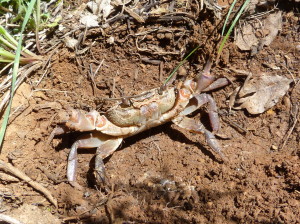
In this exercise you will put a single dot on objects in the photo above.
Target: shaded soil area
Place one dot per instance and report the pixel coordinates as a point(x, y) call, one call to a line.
point(165, 174)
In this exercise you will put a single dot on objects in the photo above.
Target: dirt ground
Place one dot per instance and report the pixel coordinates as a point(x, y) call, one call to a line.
point(165, 174)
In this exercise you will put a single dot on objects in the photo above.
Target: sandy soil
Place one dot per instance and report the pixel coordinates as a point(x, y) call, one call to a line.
point(165, 174)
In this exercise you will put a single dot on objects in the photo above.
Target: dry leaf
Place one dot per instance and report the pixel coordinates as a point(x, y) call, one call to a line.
point(259, 33)
point(89, 20)
point(261, 93)
point(101, 8)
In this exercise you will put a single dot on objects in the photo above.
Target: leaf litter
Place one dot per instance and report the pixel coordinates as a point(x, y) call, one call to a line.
point(257, 33)
point(260, 93)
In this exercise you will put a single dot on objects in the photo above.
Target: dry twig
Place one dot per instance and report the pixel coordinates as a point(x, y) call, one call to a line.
point(6, 167)
point(9, 219)
point(294, 118)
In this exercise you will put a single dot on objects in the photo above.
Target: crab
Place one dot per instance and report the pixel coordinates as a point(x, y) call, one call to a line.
point(149, 109)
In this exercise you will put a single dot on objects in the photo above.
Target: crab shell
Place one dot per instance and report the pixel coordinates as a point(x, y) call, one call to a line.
point(127, 121)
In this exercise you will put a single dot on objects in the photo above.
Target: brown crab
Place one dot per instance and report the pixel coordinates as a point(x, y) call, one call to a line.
point(147, 110)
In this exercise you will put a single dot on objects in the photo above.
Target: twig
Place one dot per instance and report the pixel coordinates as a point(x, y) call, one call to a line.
point(6, 66)
point(93, 74)
point(9, 219)
point(294, 116)
point(235, 125)
point(51, 176)
point(6, 167)
point(83, 215)
point(46, 66)
point(21, 77)
point(291, 129)
point(137, 17)
point(161, 70)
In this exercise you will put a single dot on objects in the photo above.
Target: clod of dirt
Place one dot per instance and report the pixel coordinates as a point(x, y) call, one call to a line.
point(258, 33)
point(30, 214)
point(261, 93)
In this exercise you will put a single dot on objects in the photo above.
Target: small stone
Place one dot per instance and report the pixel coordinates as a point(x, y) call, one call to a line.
point(182, 71)
point(168, 36)
point(111, 40)
point(160, 36)
point(209, 204)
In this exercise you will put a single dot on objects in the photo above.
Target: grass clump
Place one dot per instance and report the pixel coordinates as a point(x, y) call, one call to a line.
point(12, 52)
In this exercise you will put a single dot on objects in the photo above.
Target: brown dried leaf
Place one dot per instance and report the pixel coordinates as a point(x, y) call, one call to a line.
point(261, 93)
point(259, 33)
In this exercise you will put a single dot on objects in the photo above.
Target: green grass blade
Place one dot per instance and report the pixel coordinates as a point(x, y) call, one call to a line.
point(9, 41)
point(8, 36)
point(232, 26)
point(3, 60)
point(228, 15)
point(15, 72)
point(6, 54)
point(180, 64)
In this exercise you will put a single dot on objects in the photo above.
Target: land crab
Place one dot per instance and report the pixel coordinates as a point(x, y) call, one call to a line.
point(149, 109)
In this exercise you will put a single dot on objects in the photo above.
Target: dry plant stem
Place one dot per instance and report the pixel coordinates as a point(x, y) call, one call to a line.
point(6, 67)
point(294, 115)
point(6, 167)
point(292, 128)
point(6, 83)
point(93, 74)
point(46, 66)
point(8, 178)
point(9, 219)
point(24, 74)
point(83, 215)
point(238, 127)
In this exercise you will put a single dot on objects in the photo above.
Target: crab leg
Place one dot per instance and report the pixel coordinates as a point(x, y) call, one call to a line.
point(195, 126)
point(221, 82)
point(205, 78)
point(105, 150)
point(197, 102)
point(91, 140)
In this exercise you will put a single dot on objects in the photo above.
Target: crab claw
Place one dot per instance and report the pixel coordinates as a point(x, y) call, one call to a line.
point(82, 122)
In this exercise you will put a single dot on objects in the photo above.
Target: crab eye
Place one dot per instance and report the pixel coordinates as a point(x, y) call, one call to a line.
point(190, 84)
point(184, 93)
point(101, 121)
point(74, 117)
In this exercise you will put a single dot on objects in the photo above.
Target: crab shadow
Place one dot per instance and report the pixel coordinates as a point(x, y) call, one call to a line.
point(160, 205)
point(181, 210)
point(174, 134)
